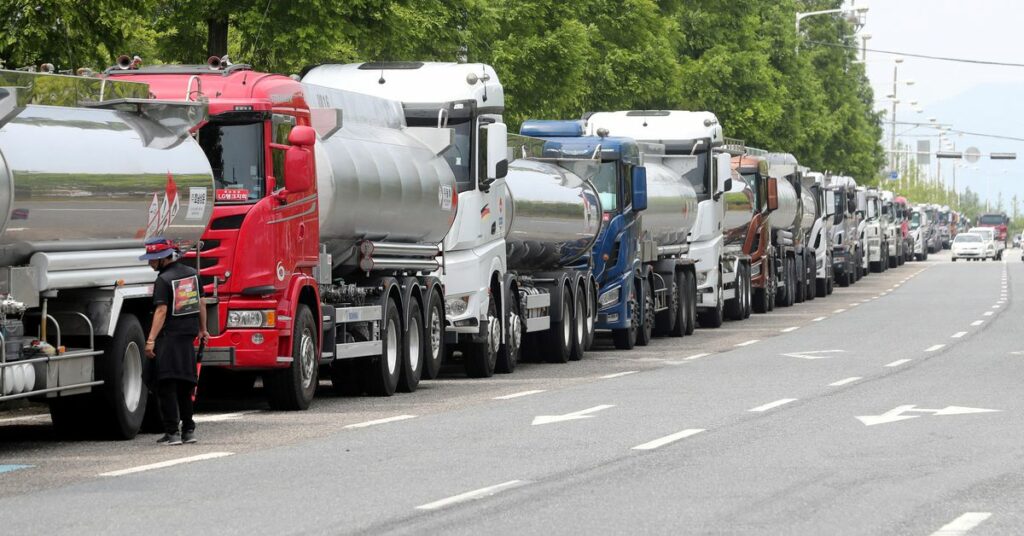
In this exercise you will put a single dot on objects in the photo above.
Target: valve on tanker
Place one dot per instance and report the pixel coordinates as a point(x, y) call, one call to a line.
point(217, 64)
point(125, 63)
point(47, 68)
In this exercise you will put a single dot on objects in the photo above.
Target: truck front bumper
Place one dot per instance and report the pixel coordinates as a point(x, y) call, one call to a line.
point(245, 349)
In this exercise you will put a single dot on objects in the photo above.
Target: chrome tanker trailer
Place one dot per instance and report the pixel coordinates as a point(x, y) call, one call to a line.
point(786, 222)
point(83, 186)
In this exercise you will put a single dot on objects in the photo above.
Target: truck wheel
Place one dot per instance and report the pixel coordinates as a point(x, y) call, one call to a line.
point(643, 336)
point(412, 350)
point(558, 346)
point(579, 323)
point(625, 339)
point(480, 358)
point(760, 300)
point(434, 343)
point(798, 287)
point(381, 373)
point(714, 317)
point(821, 287)
point(667, 321)
point(591, 322)
point(508, 354)
point(734, 307)
point(293, 388)
point(682, 308)
point(894, 261)
point(691, 300)
point(120, 403)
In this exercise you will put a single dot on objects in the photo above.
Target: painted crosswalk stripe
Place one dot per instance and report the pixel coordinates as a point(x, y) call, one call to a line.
point(381, 421)
point(845, 381)
point(672, 438)
point(772, 405)
point(963, 524)
point(473, 495)
point(618, 375)
point(519, 394)
point(935, 347)
point(168, 463)
point(898, 362)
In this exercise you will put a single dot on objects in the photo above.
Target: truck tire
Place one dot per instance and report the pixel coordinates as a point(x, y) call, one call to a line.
point(644, 334)
point(666, 322)
point(682, 308)
point(481, 358)
point(821, 287)
point(747, 307)
point(412, 350)
point(293, 388)
point(558, 342)
point(714, 317)
point(380, 374)
point(691, 300)
point(735, 307)
point(894, 261)
point(508, 353)
point(625, 339)
point(434, 343)
point(579, 325)
point(798, 287)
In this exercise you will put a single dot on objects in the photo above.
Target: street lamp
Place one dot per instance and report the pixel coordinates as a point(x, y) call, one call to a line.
point(863, 45)
point(858, 12)
point(892, 141)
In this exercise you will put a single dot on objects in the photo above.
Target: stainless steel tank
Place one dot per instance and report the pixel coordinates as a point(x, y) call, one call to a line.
point(381, 184)
point(787, 216)
point(739, 210)
point(671, 206)
point(89, 179)
point(554, 216)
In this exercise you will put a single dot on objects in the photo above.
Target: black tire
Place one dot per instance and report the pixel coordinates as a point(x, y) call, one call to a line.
point(412, 349)
point(894, 261)
point(293, 388)
point(830, 284)
point(713, 318)
point(591, 322)
point(666, 322)
point(579, 325)
point(646, 331)
point(845, 279)
point(821, 287)
point(434, 350)
point(625, 339)
point(510, 350)
point(382, 372)
point(748, 309)
point(810, 292)
point(953, 259)
point(558, 341)
point(682, 307)
point(691, 292)
point(798, 280)
point(790, 292)
point(117, 408)
point(481, 358)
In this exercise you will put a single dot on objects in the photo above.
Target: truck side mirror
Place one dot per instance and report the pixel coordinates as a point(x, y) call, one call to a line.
point(298, 160)
point(495, 158)
point(773, 193)
point(639, 176)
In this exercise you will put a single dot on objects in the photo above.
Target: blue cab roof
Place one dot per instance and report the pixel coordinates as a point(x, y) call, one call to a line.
point(566, 139)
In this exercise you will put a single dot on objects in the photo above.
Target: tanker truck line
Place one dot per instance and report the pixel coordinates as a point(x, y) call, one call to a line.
point(891, 219)
point(85, 185)
point(516, 272)
point(845, 239)
point(822, 236)
point(790, 224)
point(692, 143)
point(876, 232)
point(328, 220)
point(761, 194)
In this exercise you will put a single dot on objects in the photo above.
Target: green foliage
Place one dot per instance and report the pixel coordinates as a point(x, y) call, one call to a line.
point(556, 59)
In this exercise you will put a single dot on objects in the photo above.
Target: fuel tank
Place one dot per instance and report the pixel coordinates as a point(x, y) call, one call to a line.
point(90, 179)
point(787, 217)
point(379, 181)
point(554, 216)
point(671, 206)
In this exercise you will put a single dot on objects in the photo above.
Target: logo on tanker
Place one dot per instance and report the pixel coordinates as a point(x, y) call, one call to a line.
point(162, 210)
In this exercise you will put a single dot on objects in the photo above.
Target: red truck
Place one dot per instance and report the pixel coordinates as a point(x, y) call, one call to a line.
point(1000, 222)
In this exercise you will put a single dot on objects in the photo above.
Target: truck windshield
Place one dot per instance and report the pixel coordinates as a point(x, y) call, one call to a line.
point(991, 219)
point(751, 180)
point(915, 220)
point(460, 154)
point(694, 170)
point(235, 152)
point(872, 208)
point(607, 186)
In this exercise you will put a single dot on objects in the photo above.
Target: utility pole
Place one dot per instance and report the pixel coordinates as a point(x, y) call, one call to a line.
point(892, 141)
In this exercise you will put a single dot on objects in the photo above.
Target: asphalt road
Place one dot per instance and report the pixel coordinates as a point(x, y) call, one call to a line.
point(891, 407)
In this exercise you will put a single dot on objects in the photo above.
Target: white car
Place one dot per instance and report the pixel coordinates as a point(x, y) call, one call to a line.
point(973, 246)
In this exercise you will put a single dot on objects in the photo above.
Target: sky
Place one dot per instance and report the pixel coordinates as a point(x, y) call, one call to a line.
point(974, 98)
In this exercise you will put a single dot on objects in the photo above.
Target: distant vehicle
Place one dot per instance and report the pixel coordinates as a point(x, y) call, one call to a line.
point(1016, 240)
point(972, 246)
point(998, 221)
point(988, 234)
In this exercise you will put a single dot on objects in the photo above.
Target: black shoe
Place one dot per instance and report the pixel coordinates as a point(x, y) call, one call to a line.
point(188, 437)
point(170, 439)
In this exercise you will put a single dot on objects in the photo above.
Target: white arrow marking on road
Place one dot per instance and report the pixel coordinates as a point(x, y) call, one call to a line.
point(963, 524)
point(813, 354)
point(896, 414)
point(576, 415)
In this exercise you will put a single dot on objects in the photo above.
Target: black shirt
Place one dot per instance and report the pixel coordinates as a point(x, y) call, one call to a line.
point(178, 288)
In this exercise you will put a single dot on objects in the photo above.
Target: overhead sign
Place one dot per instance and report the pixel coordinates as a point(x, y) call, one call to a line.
point(899, 413)
point(972, 155)
point(894, 175)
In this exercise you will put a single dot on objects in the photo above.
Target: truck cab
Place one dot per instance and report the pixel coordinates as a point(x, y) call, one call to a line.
point(821, 237)
point(752, 168)
point(846, 251)
point(876, 231)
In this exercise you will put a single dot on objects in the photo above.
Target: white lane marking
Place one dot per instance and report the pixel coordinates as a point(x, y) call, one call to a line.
point(934, 347)
point(787, 330)
point(959, 334)
point(844, 381)
point(574, 416)
point(865, 301)
point(837, 311)
point(168, 463)
point(963, 524)
point(854, 304)
point(988, 313)
point(995, 306)
point(772, 405)
point(671, 438)
point(977, 322)
point(381, 421)
point(748, 343)
point(519, 394)
point(472, 495)
point(221, 417)
point(617, 375)
point(696, 356)
point(898, 362)
point(891, 289)
point(819, 319)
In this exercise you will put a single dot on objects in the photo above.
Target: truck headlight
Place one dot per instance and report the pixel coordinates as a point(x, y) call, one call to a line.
point(241, 318)
point(456, 306)
point(609, 298)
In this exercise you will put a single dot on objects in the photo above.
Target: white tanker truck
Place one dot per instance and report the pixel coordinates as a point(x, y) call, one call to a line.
point(83, 186)
point(508, 272)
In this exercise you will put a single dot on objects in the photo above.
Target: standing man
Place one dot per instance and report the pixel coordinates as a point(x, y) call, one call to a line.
point(178, 318)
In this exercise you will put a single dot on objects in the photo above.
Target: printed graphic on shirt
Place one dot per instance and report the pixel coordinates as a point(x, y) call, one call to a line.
point(186, 296)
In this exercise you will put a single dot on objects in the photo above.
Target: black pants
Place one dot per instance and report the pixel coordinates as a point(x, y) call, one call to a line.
point(176, 404)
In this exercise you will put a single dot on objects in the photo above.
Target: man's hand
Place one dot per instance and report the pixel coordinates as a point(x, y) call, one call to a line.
point(151, 349)
point(204, 337)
